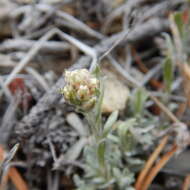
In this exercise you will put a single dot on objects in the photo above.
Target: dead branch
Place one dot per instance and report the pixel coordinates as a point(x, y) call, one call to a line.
point(25, 45)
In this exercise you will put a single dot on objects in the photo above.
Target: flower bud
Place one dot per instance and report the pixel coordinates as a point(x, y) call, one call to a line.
point(81, 89)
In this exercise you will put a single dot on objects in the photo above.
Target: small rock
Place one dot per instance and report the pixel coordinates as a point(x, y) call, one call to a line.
point(115, 93)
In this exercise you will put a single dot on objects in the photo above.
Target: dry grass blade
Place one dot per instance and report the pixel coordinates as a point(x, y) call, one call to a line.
point(38, 77)
point(150, 162)
point(79, 25)
point(5, 163)
point(9, 156)
point(5, 89)
point(164, 109)
point(25, 45)
point(13, 174)
point(186, 81)
point(154, 171)
point(17, 180)
point(177, 41)
point(116, 43)
point(186, 183)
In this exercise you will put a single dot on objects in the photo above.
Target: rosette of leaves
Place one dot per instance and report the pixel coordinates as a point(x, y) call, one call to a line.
point(109, 157)
point(114, 162)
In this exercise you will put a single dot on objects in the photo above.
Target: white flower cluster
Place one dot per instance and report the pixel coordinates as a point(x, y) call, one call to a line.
point(81, 89)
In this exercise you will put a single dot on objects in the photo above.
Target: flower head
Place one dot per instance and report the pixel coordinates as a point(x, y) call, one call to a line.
point(81, 88)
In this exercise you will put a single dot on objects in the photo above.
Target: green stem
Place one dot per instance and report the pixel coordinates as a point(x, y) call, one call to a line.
point(91, 124)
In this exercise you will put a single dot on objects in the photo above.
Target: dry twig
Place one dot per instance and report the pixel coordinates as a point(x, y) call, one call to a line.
point(186, 183)
point(149, 163)
point(13, 174)
point(154, 171)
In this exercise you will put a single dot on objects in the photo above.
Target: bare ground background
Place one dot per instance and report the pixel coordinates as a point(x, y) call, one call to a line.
point(40, 39)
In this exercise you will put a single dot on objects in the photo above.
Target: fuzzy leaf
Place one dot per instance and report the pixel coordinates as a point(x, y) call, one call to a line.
point(179, 22)
point(98, 108)
point(169, 43)
point(140, 97)
point(101, 154)
point(76, 149)
point(124, 133)
point(109, 123)
point(97, 71)
point(168, 73)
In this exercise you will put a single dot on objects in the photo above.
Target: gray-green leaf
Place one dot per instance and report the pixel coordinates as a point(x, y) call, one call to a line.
point(109, 123)
point(168, 73)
